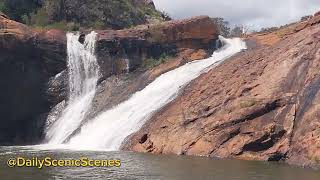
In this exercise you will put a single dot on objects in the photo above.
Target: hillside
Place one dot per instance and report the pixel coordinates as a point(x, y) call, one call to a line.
point(76, 14)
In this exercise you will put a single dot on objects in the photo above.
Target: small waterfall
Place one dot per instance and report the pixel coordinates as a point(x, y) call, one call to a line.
point(83, 72)
point(108, 130)
point(127, 65)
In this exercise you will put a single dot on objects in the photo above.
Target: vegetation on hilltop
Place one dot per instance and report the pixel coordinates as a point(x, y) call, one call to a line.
point(73, 14)
point(226, 30)
point(19, 9)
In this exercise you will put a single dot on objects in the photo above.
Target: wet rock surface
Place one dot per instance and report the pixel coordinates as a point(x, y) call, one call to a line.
point(118, 88)
point(260, 104)
point(122, 51)
point(117, 48)
point(33, 68)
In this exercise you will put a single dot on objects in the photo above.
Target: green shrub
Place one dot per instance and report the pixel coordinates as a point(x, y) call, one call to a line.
point(19, 9)
point(40, 18)
point(25, 19)
point(62, 25)
point(2, 6)
point(97, 14)
point(150, 63)
point(151, 12)
point(98, 24)
point(154, 62)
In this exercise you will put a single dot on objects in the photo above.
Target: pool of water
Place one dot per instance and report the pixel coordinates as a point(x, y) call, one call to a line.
point(149, 167)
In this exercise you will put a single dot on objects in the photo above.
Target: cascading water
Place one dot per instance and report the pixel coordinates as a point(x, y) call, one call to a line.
point(83, 72)
point(108, 130)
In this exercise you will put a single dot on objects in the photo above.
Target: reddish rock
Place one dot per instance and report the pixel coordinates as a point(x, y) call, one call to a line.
point(30, 59)
point(151, 41)
point(54, 35)
point(15, 37)
point(258, 105)
point(3, 15)
point(117, 89)
point(193, 33)
point(301, 26)
point(12, 32)
point(315, 19)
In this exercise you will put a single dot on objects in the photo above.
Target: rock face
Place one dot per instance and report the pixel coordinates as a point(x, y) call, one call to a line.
point(121, 55)
point(123, 51)
point(33, 67)
point(258, 105)
point(27, 60)
point(116, 89)
point(117, 48)
point(3, 15)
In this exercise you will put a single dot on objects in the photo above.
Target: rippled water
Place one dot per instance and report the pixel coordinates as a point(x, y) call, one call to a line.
point(150, 167)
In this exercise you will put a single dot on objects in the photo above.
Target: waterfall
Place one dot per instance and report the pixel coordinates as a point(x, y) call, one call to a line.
point(83, 72)
point(127, 65)
point(108, 130)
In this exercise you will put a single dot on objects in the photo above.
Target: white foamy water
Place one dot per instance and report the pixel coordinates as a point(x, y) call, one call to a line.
point(83, 72)
point(108, 130)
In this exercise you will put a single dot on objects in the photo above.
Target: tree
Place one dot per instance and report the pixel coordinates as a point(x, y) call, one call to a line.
point(17, 9)
point(237, 31)
point(268, 29)
point(2, 6)
point(223, 26)
point(305, 18)
point(165, 16)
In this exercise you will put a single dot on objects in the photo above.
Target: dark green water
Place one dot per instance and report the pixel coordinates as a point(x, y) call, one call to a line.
point(142, 166)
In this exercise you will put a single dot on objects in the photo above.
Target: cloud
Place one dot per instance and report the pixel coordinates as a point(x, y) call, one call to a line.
point(253, 13)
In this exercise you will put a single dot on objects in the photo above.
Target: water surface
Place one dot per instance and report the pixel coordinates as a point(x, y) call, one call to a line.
point(149, 167)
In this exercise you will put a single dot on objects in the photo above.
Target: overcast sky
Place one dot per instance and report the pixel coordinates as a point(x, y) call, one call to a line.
point(252, 13)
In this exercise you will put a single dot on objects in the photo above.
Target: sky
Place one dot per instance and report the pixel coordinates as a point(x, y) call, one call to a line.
point(254, 14)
